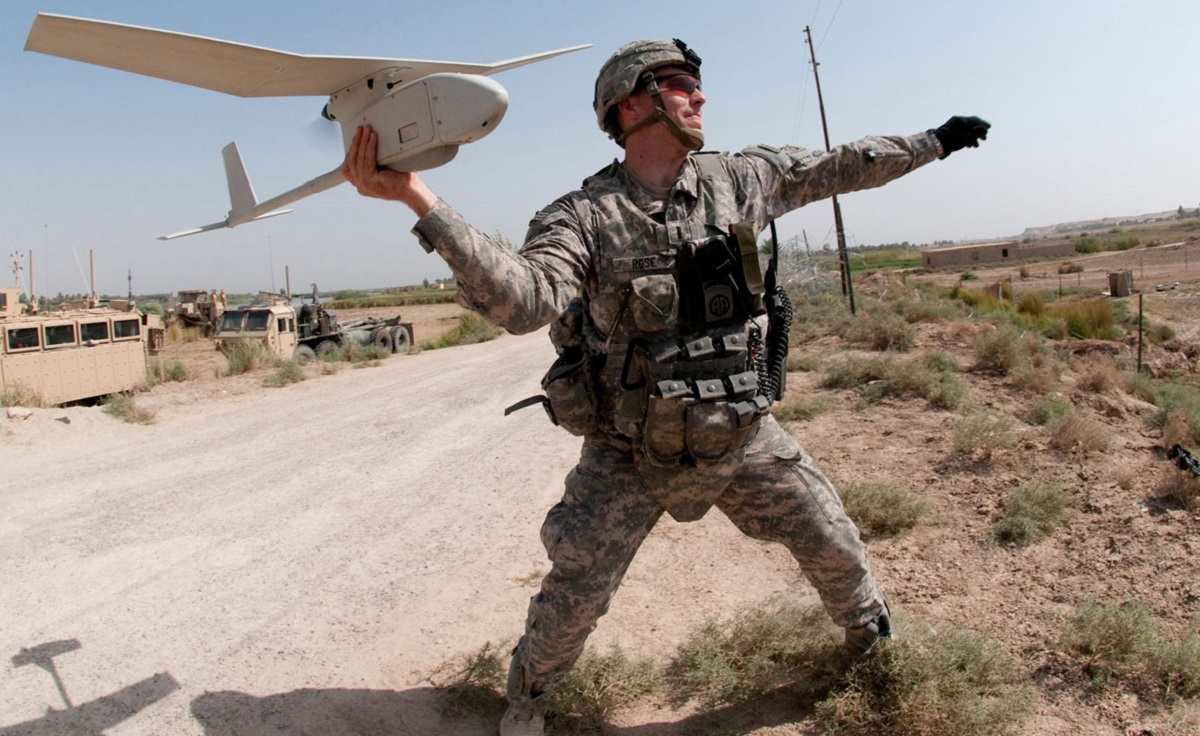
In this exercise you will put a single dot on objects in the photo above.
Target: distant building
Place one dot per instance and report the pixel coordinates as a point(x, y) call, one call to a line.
point(982, 253)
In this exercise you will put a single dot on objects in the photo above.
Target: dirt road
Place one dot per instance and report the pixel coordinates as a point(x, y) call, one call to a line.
point(301, 559)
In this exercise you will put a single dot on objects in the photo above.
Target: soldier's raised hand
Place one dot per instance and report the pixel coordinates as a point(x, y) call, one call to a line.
point(961, 132)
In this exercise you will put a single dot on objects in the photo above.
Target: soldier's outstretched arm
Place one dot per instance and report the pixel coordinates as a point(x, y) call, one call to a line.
point(793, 177)
point(517, 291)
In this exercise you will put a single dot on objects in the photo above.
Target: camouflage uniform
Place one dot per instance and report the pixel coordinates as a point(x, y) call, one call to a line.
point(605, 241)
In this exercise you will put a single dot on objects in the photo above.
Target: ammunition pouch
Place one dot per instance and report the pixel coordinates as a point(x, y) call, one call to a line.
point(570, 399)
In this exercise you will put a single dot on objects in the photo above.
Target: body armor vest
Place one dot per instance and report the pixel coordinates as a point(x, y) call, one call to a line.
point(665, 344)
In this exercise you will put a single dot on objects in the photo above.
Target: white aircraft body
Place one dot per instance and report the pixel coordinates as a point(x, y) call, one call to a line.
point(422, 110)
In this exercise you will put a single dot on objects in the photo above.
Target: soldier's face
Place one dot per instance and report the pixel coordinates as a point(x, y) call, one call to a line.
point(681, 104)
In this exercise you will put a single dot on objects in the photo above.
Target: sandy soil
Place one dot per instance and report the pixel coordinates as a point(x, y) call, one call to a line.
point(302, 560)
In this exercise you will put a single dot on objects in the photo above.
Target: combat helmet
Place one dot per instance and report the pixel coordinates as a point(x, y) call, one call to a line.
point(630, 68)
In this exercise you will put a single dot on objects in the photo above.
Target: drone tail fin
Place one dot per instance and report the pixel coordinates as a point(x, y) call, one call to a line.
point(244, 205)
point(241, 191)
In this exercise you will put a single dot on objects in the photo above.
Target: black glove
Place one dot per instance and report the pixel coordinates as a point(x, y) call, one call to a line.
point(961, 132)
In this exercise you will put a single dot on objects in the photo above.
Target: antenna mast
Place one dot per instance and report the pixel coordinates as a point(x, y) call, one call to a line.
point(843, 257)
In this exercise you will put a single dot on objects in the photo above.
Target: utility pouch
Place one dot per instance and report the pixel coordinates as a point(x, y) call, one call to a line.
point(570, 399)
point(665, 429)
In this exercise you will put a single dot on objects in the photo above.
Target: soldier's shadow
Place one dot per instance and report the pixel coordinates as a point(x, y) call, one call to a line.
point(416, 712)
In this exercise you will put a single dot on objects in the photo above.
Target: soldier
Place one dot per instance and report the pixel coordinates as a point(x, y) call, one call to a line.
point(654, 315)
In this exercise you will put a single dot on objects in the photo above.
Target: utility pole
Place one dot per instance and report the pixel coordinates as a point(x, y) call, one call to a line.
point(843, 257)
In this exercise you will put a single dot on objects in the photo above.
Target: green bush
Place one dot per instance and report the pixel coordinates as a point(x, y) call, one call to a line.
point(123, 407)
point(244, 356)
point(1031, 513)
point(471, 328)
point(759, 650)
point(1049, 408)
point(1122, 644)
point(881, 510)
point(951, 683)
point(598, 686)
point(980, 434)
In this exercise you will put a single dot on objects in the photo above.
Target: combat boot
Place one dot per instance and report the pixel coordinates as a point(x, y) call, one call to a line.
point(523, 718)
point(860, 640)
point(526, 710)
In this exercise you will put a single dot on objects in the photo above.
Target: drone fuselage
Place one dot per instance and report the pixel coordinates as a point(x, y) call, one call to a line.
point(421, 123)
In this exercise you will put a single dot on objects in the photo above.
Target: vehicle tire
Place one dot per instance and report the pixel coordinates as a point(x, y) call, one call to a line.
point(326, 348)
point(303, 354)
point(401, 338)
point(383, 338)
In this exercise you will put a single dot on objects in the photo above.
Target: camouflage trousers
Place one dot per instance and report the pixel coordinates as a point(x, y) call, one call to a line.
point(592, 534)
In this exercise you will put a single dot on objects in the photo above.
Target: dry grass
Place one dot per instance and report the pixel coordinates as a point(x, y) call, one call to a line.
point(981, 434)
point(1076, 432)
point(123, 407)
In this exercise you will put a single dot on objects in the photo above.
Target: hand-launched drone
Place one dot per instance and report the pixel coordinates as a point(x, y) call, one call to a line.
point(422, 110)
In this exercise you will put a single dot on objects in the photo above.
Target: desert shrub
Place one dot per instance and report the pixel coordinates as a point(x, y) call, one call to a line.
point(931, 684)
point(474, 683)
point(883, 376)
point(157, 372)
point(1122, 643)
point(177, 332)
point(1158, 334)
point(1115, 239)
point(1139, 385)
point(1097, 375)
point(883, 330)
point(998, 350)
point(1182, 487)
point(803, 362)
point(1090, 319)
point(1070, 267)
point(364, 354)
point(1182, 398)
point(123, 407)
point(244, 356)
point(1183, 719)
point(800, 408)
point(940, 361)
point(597, 687)
point(1049, 408)
point(1032, 303)
point(968, 276)
point(18, 394)
point(759, 650)
point(882, 510)
point(923, 305)
point(980, 434)
point(286, 372)
point(471, 328)
point(1038, 370)
point(1031, 513)
point(1075, 431)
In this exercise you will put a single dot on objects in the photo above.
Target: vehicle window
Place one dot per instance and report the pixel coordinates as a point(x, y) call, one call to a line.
point(22, 338)
point(60, 335)
point(93, 332)
point(257, 321)
point(232, 321)
point(126, 328)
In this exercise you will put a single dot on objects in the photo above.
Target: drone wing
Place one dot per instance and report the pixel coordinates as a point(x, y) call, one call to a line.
point(232, 68)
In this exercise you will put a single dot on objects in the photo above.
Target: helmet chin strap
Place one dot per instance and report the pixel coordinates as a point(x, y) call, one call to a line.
point(693, 140)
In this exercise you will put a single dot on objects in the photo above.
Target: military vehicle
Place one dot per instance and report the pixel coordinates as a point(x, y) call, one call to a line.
point(314, 332)
point(197, 308)
point(75, 353)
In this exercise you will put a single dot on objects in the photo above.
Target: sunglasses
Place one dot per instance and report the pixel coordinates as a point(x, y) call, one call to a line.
point(679, 82)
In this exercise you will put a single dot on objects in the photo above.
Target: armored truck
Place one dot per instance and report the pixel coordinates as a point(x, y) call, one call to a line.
point(75, 353)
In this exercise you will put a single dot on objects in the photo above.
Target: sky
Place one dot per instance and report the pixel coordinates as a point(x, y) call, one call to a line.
point(1094, 107)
